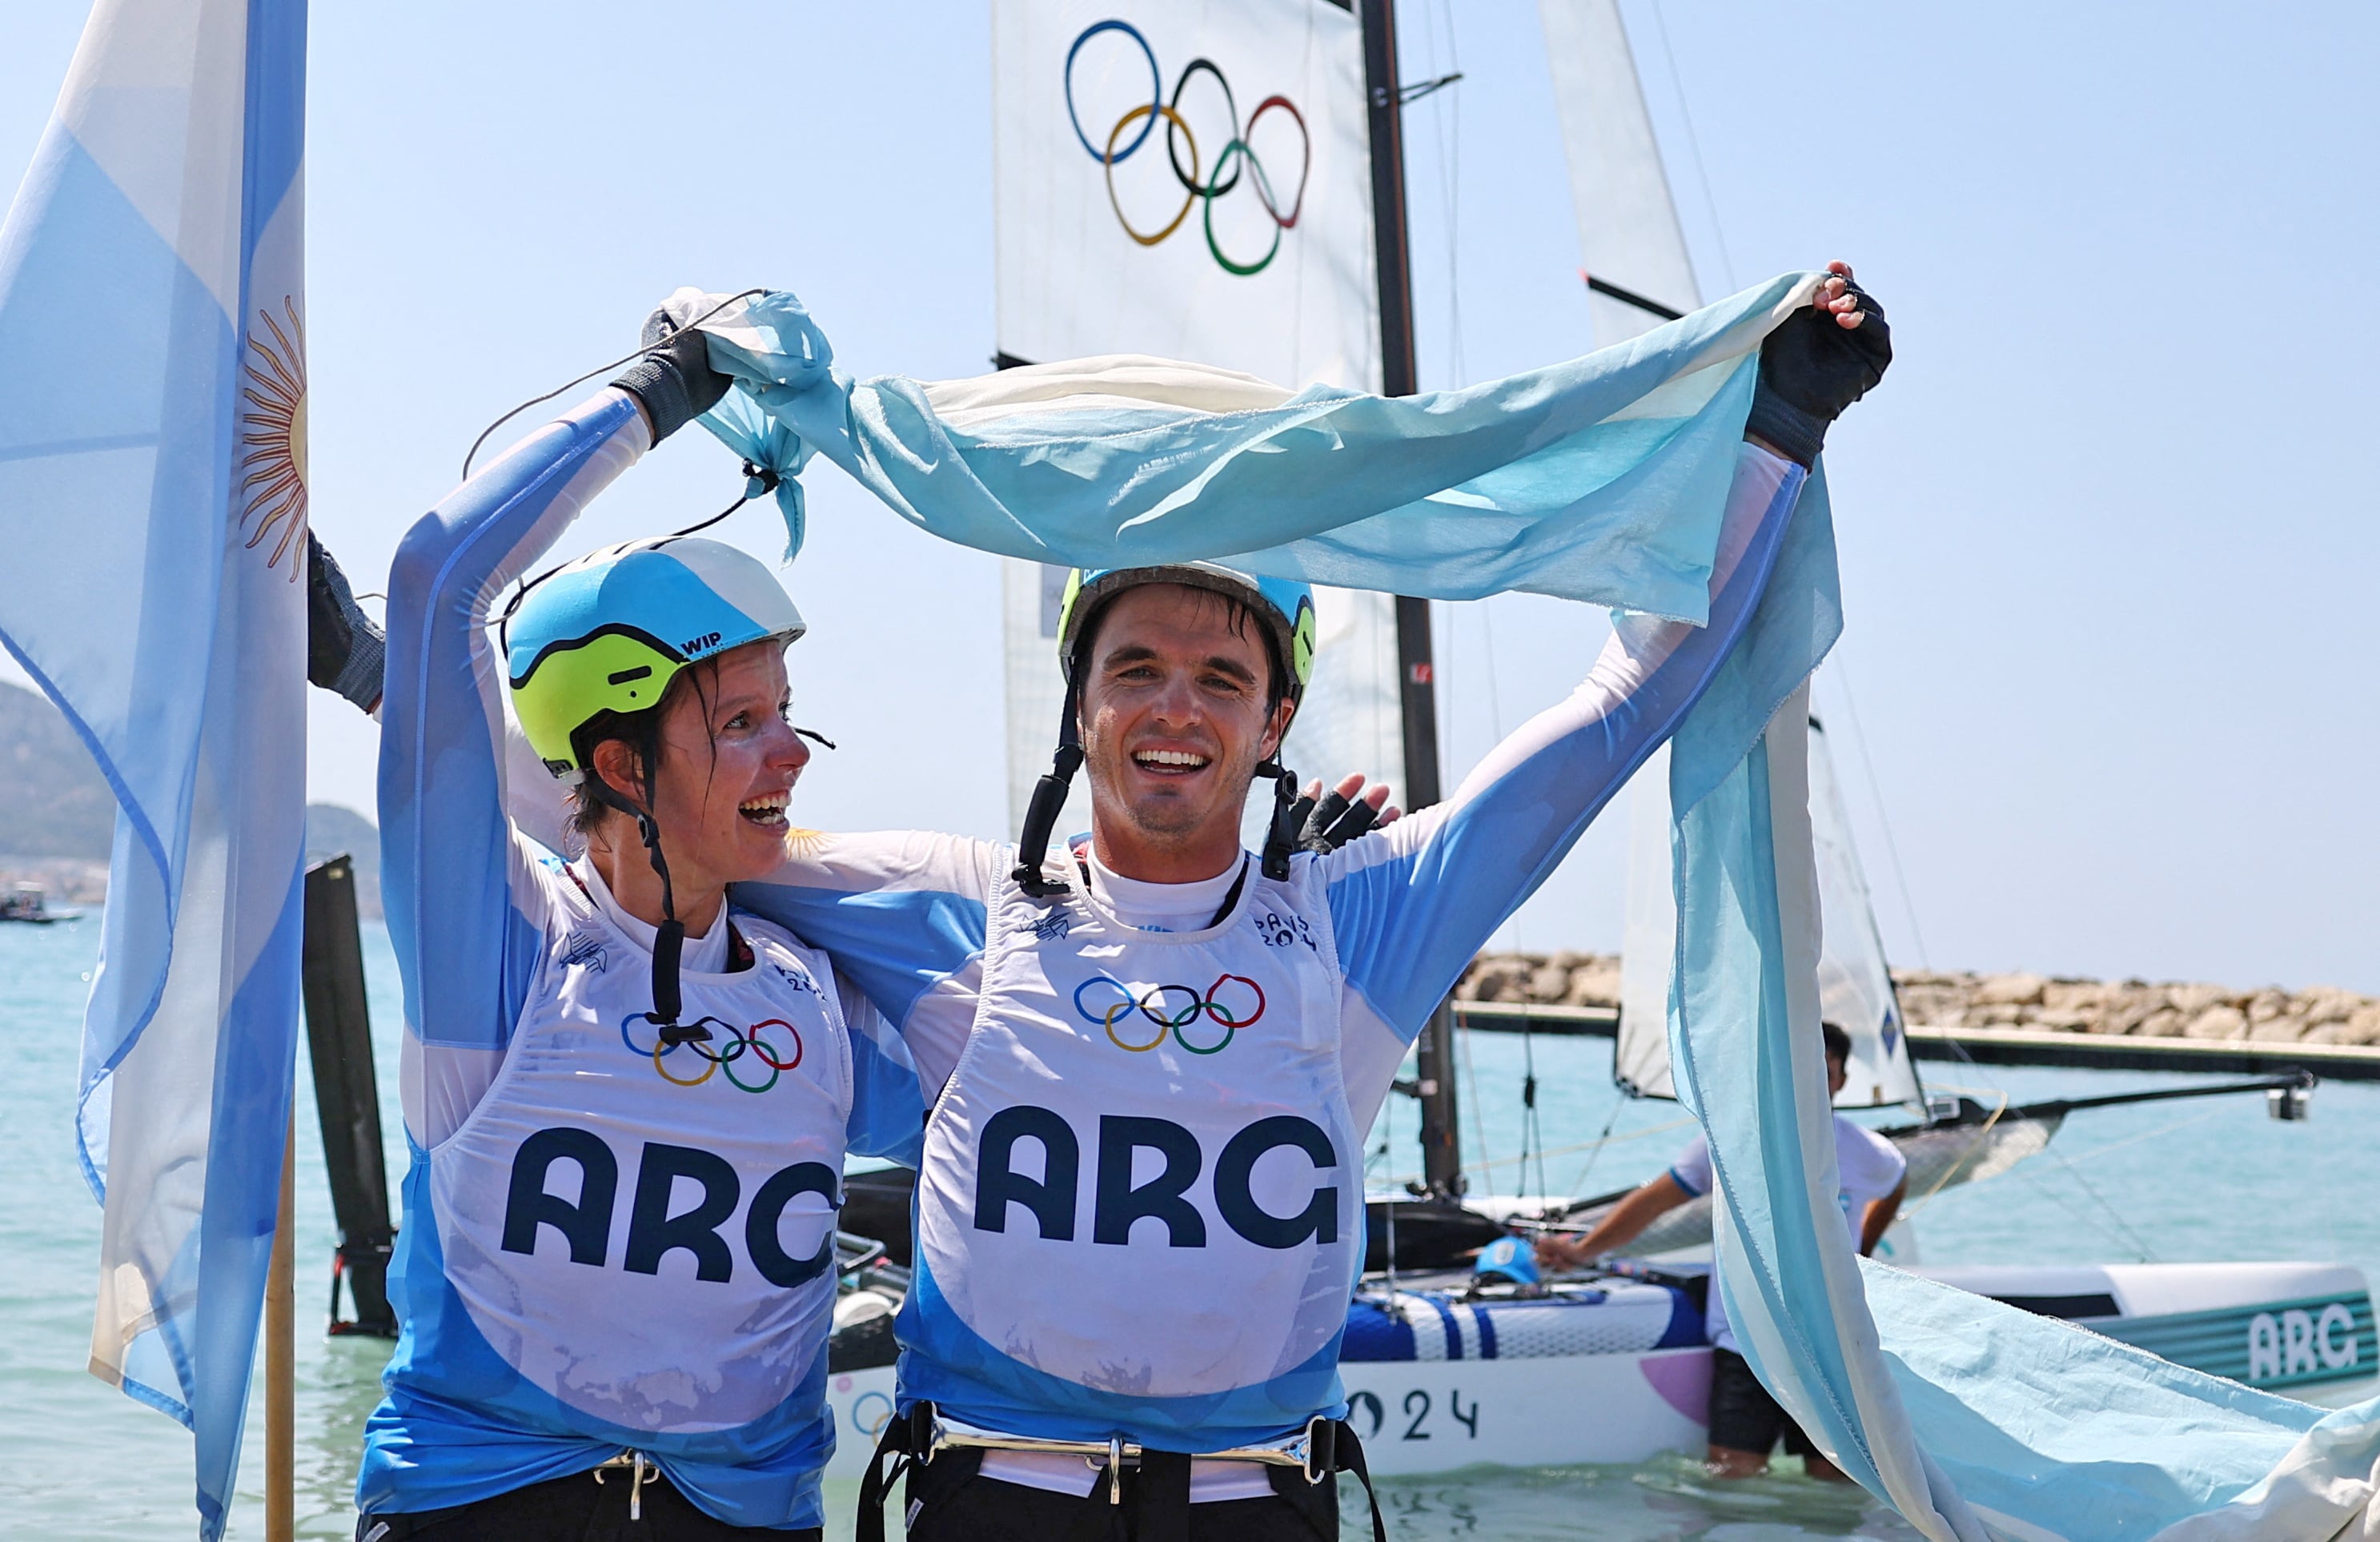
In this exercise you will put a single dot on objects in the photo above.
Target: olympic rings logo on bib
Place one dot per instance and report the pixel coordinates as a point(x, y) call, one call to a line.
point(1236, 162)
point(1232, 1002)
point(764, 1041)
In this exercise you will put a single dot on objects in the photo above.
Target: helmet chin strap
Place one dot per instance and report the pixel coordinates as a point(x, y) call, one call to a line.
point(669, 939)
point(1050, 800)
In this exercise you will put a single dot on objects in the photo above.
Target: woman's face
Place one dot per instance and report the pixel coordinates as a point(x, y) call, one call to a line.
point(728, 765)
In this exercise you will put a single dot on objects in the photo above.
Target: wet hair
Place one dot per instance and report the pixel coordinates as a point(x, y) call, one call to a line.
point(1241, 616)
point(641, 732)
point(1839, 1043)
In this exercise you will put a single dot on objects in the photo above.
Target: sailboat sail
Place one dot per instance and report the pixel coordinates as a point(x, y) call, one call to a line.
point(1193, 183)
point(1854, 986)
point(1628, 232)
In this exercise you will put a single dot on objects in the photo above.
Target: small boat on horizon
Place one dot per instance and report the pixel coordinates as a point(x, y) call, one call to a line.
point(28, 902)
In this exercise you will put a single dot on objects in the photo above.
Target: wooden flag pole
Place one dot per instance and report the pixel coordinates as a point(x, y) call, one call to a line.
point(281, 1356)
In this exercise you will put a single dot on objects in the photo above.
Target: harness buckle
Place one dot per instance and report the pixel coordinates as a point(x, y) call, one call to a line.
point(1115, 1469)
point(1321, 1451)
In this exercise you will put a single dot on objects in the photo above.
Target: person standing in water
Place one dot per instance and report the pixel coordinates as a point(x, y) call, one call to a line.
point(627, 1102)
point(1151, 1056)
point(1745, 1421)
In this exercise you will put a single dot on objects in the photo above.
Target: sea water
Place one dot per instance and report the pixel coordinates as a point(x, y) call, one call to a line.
point(2171, 1181)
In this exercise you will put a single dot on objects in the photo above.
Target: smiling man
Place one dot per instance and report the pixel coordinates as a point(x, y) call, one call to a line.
point(1151, 1056)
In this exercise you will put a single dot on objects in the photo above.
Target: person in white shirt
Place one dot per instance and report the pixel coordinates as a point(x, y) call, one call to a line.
point(1746, 1421)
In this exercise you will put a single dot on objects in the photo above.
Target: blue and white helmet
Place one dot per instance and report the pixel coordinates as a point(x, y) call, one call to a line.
point(608, 632)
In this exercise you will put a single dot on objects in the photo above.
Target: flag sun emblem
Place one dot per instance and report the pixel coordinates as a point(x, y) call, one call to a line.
point(273, 465)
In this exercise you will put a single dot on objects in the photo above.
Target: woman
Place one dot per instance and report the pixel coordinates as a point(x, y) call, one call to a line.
point(628, 1104)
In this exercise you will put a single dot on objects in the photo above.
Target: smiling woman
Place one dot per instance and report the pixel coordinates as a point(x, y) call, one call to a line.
point(628, 1102)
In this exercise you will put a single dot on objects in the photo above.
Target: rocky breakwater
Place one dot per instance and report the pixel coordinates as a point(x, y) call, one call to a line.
point(2039, 1004)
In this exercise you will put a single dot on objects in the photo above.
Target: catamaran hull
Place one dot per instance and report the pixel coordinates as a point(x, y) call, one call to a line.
point(1596, 1376)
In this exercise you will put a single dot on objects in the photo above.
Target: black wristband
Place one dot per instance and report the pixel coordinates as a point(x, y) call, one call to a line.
point(1797, 435)
point(674, 381)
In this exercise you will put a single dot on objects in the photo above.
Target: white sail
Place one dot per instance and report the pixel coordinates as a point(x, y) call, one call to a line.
point(1854, 986)
point(1071, 281)
point(1628, 230)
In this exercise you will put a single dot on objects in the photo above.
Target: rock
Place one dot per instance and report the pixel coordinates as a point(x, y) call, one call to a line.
point(2081, 998)
point(2164, 1023)
point(1548, 983)
point(2131, 1006)
point(1495, 979)
point(2017, 990)
point(1933, 999)
point(2363, 1026)
point(1995, 1015)
point(1594, 983)
point(2326, 1003)
point(2056, 1020)
point(2267, 1004)
point(2191, 1000)
point(2219, 1021)
point(2278, 1030)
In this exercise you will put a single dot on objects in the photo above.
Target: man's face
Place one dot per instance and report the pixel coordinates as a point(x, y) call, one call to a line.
point(1174, 714)
point(1839, 1072)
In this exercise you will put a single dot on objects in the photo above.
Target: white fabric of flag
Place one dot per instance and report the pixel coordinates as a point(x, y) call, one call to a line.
point(153, 501)
point(1109, 121)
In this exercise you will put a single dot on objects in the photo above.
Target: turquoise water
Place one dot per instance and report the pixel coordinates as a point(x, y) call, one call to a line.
point(2169, 1183)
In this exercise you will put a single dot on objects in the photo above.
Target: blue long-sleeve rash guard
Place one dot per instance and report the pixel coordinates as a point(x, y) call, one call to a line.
point(473, 914)
point(902, 914)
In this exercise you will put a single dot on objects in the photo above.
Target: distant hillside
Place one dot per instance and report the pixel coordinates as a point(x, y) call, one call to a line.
point(56, 807)
point(52, 800)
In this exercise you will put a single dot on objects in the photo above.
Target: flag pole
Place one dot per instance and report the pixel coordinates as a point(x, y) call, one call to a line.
point(281, 1355)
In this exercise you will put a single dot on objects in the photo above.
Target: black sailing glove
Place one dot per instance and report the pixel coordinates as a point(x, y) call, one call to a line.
point(672, 377)
point(1326, 826)
point(1811, 368)
point(344, 650)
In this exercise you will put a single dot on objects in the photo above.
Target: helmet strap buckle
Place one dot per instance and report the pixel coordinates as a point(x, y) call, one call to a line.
point(1280, 840)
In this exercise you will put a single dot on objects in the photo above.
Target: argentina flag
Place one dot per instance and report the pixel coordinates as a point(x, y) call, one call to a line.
point(152, 502)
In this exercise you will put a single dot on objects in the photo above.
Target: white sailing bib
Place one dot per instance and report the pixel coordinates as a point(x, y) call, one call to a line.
point(648, 1236)
point(1143, 1177)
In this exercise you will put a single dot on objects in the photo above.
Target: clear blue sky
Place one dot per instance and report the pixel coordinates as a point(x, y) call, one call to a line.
point(2110, 549)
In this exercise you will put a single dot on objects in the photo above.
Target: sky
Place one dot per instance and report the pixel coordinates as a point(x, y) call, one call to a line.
point(2107, 701)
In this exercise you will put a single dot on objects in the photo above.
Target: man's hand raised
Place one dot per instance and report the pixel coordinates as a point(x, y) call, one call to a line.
point(1354, 805)
point(1818, 363)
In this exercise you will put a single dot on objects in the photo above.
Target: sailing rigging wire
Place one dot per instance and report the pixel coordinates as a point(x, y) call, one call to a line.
point(1599, 1141)
point(1694, 142)
point(1883, 819)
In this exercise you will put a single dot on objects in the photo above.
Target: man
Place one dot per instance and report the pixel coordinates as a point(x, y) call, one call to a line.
point(1150, 1058)
point(1745, 1421)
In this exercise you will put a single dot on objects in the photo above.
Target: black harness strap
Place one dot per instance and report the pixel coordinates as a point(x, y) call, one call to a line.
point(1159, 1491)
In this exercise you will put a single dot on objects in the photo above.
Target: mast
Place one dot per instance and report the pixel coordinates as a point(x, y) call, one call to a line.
point(1441, 1148)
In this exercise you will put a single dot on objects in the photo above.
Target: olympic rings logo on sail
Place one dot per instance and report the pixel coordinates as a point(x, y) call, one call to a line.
point(1171, 1008)
point(716, 1058)
point(1238, 158)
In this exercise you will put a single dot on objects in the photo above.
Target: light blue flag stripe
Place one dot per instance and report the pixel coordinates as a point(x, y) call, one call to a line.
point(152, 375)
